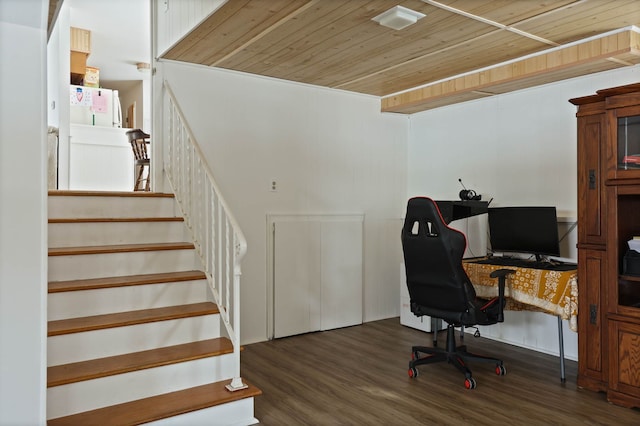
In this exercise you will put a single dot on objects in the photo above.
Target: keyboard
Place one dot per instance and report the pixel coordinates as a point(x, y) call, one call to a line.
point(551, 265)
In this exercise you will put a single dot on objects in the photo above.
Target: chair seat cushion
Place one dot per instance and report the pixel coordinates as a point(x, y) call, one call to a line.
point(482, 312)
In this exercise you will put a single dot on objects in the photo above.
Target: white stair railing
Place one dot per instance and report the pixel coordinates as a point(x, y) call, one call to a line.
point(216, 234)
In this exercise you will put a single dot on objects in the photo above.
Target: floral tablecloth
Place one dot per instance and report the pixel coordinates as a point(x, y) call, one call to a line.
point(554, 292)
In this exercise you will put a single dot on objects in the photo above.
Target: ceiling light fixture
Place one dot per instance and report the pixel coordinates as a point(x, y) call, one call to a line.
point(398, 17)
point(143, 67)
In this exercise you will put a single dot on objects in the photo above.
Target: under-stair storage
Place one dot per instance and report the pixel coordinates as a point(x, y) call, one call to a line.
point(133, 335)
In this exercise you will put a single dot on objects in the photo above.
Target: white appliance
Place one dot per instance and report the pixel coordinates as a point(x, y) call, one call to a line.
point(95, 106)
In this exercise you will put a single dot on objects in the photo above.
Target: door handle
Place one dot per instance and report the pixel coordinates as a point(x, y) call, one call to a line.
point(592, 179)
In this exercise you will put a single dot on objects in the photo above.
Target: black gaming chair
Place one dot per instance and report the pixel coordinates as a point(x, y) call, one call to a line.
point(440, 288)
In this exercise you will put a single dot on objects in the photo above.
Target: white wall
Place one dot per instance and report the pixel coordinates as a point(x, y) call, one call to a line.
point(329, 152)
point(145, 114)
point(54, 64)
point(23, 238)
point(519, 149)
point(133, 93)
point(58, 68)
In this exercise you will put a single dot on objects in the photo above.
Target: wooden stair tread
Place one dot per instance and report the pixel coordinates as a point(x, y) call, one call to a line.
point(120, 364)
point(118, 248)
point(116, 219)
point(159, 407)
point(120, 319)
point(124, 281)
point(76, 193)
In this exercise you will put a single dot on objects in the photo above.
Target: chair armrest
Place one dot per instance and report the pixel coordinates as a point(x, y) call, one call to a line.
point(501, 275)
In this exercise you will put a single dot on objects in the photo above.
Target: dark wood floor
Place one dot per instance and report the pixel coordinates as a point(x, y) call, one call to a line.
point(358, 376)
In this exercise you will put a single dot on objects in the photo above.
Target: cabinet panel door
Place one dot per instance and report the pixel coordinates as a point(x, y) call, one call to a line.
point(591, 169)
point(625, 352)
point(317, 273)
point(592, 362)
point(296, 305)
point(623, 146)
point(341, 266)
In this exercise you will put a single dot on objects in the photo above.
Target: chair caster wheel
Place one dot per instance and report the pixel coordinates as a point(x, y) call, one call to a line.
point(413, 372)
point(501, 370)
point(470, 383)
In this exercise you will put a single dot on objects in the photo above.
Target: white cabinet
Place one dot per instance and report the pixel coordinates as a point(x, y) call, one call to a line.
point(317, 273)
point(100, 159)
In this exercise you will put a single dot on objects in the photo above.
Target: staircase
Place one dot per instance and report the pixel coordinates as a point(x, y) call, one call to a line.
point(133, 333)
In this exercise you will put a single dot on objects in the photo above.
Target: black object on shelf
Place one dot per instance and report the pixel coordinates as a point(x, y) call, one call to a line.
point(631, 263)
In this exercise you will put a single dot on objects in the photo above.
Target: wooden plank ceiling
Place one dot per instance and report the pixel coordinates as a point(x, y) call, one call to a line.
point(334, 43)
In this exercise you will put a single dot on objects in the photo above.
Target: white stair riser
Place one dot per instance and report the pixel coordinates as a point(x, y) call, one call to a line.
point(63, 268)
point(86, 207)
point(91, 394)
point(236, 413)
point(75, 347)
point(107, 233)
point(73, 304)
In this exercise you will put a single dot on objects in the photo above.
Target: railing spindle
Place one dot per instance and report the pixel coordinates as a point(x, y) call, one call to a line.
point(219, 241)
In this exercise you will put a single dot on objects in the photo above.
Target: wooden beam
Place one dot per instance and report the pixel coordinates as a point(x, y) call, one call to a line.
point(591, 56)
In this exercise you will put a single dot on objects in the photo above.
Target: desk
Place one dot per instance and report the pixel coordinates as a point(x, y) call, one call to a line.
point(542, 290)
point(553, 292)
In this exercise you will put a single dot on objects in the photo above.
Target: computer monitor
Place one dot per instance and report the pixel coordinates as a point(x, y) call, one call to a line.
point(530, 230)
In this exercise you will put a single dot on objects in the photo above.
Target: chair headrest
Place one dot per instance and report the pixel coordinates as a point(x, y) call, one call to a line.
point(423, 209)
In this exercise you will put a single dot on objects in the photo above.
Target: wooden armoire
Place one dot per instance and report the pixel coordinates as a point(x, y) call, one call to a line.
point(608, 217)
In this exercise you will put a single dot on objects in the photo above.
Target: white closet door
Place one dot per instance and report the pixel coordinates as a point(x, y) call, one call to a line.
point(317, 273)
point(296, 277)
point(341, 266)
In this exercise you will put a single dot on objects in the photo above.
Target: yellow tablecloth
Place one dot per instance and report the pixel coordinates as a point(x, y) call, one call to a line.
point(554, 292)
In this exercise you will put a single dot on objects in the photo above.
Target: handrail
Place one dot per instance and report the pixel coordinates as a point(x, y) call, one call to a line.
point(214, 229)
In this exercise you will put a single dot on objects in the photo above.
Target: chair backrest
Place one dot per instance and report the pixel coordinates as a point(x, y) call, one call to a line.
point(433, 255)
point(138, 140)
